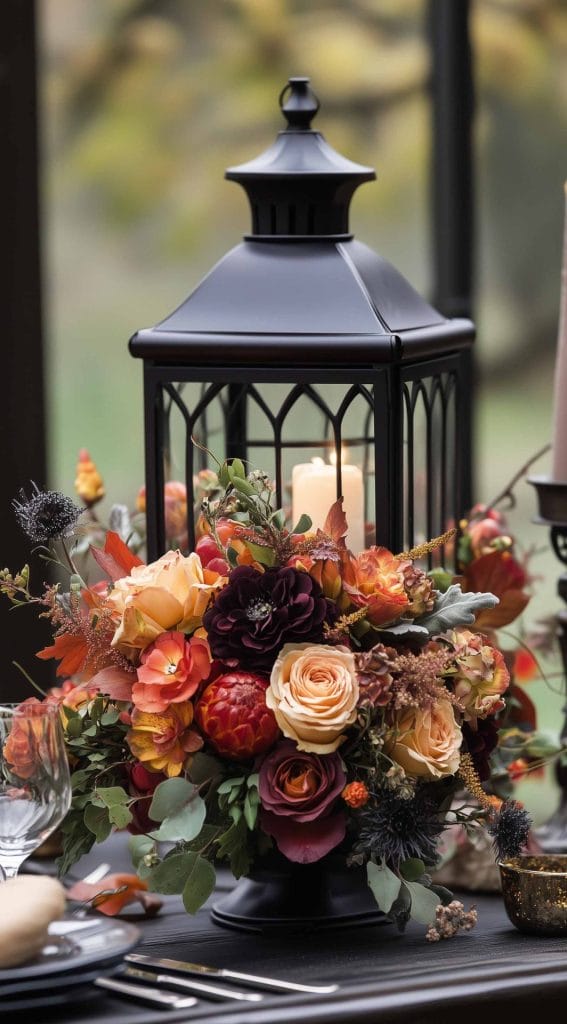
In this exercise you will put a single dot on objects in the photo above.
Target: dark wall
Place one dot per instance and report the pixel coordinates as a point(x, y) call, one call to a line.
point(22, 414)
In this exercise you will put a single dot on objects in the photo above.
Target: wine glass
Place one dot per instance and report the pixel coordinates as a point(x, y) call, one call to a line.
point(35, 784)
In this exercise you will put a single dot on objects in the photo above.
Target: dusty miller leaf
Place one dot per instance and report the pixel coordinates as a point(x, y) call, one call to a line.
point(453, 608)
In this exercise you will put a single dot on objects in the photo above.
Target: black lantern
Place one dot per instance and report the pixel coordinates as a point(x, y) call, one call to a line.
point(311, 357)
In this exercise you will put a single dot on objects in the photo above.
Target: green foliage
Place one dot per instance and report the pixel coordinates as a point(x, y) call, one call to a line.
point(187, 873)
point(239, 797)
point(384, 883)
point(176, 803)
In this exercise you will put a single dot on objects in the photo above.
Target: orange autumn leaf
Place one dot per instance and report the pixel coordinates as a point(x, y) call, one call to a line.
point(115, 559)
point(71, 650)
point(133, 890)
point(498, 573)
point(336, 525)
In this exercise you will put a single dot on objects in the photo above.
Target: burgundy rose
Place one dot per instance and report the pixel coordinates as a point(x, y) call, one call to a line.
point(298, 794)
point(258, 612)
point(142, 784)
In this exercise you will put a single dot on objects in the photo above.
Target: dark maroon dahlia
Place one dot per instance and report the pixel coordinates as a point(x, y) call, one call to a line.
point(258, 612)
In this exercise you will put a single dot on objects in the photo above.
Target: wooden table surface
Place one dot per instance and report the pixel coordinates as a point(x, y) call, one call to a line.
point(481, 976)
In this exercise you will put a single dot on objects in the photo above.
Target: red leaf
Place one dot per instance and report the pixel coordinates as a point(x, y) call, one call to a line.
point(115, 559)
point(70, 650)
point(114, 682)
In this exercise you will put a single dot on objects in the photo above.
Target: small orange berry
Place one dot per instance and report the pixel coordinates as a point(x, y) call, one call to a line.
point(355, 794)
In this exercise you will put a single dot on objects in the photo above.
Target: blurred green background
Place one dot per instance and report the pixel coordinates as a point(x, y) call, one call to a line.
point(145, 102)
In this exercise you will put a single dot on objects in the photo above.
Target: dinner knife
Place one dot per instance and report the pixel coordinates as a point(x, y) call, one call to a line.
point(256, 980)
point(145, 994)
point(199, 988)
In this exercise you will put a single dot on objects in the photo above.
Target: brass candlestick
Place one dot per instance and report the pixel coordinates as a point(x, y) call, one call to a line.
point(552, 508)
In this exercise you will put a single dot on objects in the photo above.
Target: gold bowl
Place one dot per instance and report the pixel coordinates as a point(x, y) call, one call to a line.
point(535, 893)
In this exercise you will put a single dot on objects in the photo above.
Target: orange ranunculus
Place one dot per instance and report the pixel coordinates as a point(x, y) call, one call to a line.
point(170, 594)
point(88, 482)
point(175, 508)
point(162, 742)
point(170, 671)
point(375, 580)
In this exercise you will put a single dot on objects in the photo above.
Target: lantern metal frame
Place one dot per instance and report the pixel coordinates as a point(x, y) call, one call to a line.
point(341, 314)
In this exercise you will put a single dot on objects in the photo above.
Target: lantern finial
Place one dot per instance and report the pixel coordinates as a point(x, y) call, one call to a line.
point(298, 103)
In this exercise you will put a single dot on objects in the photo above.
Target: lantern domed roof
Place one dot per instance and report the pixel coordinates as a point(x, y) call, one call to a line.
point(299, 287)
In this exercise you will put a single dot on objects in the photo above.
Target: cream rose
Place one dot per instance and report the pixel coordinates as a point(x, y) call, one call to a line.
point(426, 743)
point(172, 593)
point(313, 693)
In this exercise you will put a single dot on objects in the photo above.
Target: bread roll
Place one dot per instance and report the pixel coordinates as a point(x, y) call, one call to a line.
point(28, 905)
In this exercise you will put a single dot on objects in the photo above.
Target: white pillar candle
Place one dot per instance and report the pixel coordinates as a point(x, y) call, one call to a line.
point(314, 490)
point(559, 471)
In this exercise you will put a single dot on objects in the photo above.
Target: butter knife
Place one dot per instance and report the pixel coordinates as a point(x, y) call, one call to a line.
point(145, 994)
point(255, 980)
point(199, 988)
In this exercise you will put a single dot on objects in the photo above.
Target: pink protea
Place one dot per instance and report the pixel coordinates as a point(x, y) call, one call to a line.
point(233, 715)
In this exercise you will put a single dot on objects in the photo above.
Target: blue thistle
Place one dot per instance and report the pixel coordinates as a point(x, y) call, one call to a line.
point(46, 515)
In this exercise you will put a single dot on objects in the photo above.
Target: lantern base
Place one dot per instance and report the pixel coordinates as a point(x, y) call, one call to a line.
point(300, 898)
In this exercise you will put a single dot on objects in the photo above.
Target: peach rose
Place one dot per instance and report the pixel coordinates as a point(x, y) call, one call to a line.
point(426, 743)
point(313, 693)
point(172, 593)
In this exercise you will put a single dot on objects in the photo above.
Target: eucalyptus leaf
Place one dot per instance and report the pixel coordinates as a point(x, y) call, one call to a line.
point(170, 797)
point(120, 815)
point(453, 608)
point(265, 556)
point(185, 825)
point(111, 795)
point(170, 875)
point(385, 885)
point(140, 847)
point(199, 884)
point(303, 524)
point(97, 821)
point(424, 903)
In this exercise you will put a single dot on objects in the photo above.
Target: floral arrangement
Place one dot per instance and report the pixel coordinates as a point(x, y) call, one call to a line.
point(272, 692)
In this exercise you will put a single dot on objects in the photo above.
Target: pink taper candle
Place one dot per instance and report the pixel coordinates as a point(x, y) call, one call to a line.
point(560, 387)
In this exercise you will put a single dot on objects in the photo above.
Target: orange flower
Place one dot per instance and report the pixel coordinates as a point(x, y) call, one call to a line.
point(355, 794)
point(375, 580)
point(325, 570)
point(171, 670)
point(71, 695)
point(28, 737)
point(88, 482)
point(172, 593)
point(525, 666)
point(175, 505)
point(162, 742)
